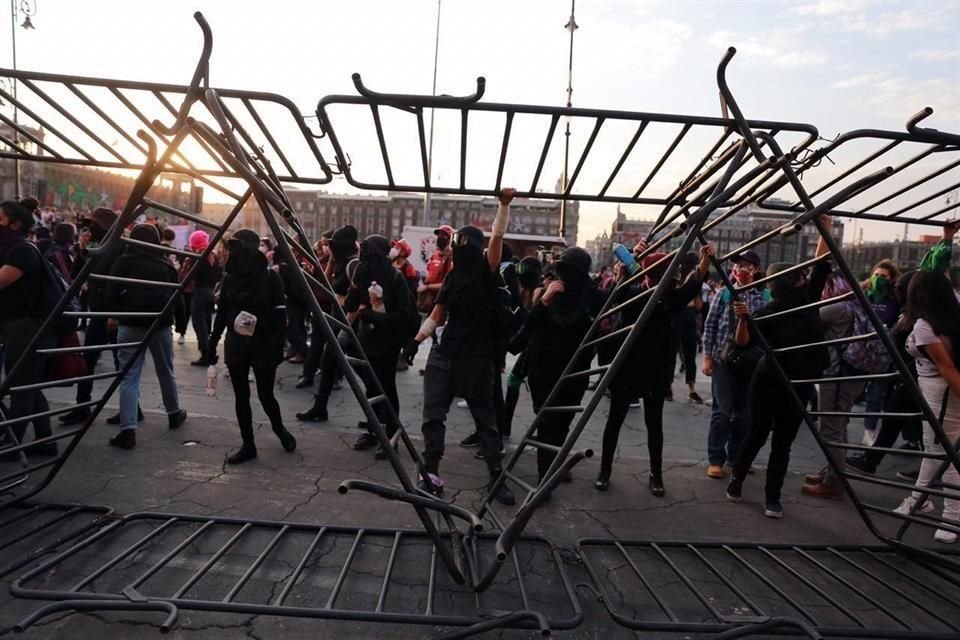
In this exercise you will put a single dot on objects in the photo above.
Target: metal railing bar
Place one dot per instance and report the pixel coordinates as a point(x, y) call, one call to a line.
point(160, 248)
point(683, 132)
point(919, 583)
point(338, 585)
point(797, 267)
point(291, 581)
point(726, 581)
point(431, 580)
point(807, 307)
point(117, 559)
point(870, 158)
point(137, 281)
point(61, 516)
point(59, 435)
point(633, 300)
point(46, 414)
point(175, 113)
point(937, 213)
point(269, 136)
point(633, 565)
point(381, 599)
point(948, 189)
point(689, 583)
point(464, 114)
point(543, 153)
point(212, 561)
point(192, 217)
point(507, 128)
point(623, 157)
point(143, 577)
point(692, 181)
point(867, 377)
point(64, 382)
point(146, 122)
point(43, 123)
point(583, 156)
point(606, 336)
point(25, 514)
point(381, 140)
point(827, 343)
point(27, 134)
point(423, 149)
point(899, 192)
point(520, 583)
point(256, 564)
point(97, 110)
point(889, 450)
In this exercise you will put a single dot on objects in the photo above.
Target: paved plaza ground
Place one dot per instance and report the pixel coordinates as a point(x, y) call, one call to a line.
point(183, 471)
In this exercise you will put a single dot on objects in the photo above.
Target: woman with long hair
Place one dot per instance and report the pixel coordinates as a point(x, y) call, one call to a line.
point(935, 344)
point(253, 312)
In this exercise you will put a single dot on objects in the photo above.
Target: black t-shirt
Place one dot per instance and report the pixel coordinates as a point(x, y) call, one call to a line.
point(469, 299)
point(23, 298)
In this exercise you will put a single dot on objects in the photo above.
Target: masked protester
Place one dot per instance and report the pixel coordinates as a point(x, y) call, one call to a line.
point(400, 252)
point(439, 265)
point(382, 303)
point(879, 288)
point(648, 369)
point(771, 410)
point(463, 364)
point(528, 278)
point(205, 278)
point(101, 221)
point(341, 268)
point(728, 385)
point(253, 313)
point(21, 283)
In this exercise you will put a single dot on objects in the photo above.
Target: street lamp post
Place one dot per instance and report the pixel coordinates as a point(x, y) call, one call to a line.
point(436, 50)
point(29, 9)
point(571, 26)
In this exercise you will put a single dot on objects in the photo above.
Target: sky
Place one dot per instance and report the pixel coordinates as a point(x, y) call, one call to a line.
point(838, 65)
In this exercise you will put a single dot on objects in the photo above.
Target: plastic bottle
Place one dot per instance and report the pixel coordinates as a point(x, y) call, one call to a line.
point(625, 256)
point(376, 297)
point(212, 380)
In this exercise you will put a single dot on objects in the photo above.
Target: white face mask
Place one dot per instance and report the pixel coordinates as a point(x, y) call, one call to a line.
point(394, 253)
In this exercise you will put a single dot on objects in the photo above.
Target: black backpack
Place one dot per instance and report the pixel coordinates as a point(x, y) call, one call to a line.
point(55, 289)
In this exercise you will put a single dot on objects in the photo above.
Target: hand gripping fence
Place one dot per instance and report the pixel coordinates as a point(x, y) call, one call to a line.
point(741, 163)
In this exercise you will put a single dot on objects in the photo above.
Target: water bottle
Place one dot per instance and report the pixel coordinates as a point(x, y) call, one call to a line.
point(376, 297)
point(212, 380)
point(625, 256)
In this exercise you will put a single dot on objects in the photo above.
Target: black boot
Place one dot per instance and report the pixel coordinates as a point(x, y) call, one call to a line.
point(246, 452)
point(432, 467)
point(303, 383)
point(656, 484)
point(126, 439)
point(75, 416)
point(287, 440)
point(602, 482)
point(176, 420)
point(115, 419)
point(313, 414)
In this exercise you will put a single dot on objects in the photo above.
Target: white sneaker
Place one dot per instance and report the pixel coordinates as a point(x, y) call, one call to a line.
point(869, 437)
point(944, 536)
point(180, 339)
point(907, 505)
point(462, 404)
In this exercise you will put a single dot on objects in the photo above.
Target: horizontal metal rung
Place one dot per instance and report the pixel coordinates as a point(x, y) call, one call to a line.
point(898, 485)
point(65, 382)
point(182, 214)
point(376, 399)
point(46, 414)
point(795, 268)
point(160, 248)
point(920, 518)
point(96, 347)
point(111, 314)
point(526, 486)
point(623, 305)
point(536, 444)
point(806, 307)
point(335, 322)
point(608, 336)
point(909, 453)
point(563, 409)
point(357, 362)
point(864, 378)
point(865, 414)
point(585, 372)
point(828, 343)
point(136, 281)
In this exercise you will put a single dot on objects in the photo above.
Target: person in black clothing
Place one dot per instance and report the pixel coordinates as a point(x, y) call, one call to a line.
point(382, 327)
point(143, 264)
point(555, 326)
point(528, 276)
point(340, 271)
point(21, 283)
point(253, 313)
point(206, 275)
point(97, 334)
point(311, 360)
point(686, 335)
point(60, 252)
point(462, 364)
point(297, 309)
point(648, 370)
point(771, 409)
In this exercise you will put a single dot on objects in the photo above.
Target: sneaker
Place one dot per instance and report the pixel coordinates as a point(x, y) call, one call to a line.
point(602, 483)
point(462, 404)
point(735, 490)
point(909, 476)
point(907, 505)
point(126, 439)
point(472, 440)
point(303, 383)
point(176, 420)
point(287, 441)
point(911, 445)
point(773, 509)
point(433, 486)
point(479, 456)
point(365, 441)
point(242, 455)
point(180, 339)
point(814, 478)
point(859, 464)
point(504, 496)
point(115, 419)
point(823, 489)
point(944, 536)
point(295, 359)
point(313, 414)
point(716, 472)
point(636, 405)
point(869, 437)
point(695, 398)
point(75, 416)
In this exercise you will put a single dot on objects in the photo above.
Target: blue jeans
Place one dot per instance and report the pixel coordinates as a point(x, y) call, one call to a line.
point(161, 350)
point(876, 397)
point(729, 405)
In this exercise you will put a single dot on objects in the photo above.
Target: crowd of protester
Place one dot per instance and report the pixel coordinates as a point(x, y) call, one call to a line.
point(475, 304)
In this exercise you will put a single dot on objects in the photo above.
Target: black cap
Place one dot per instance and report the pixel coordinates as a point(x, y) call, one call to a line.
point(146, 233)
point(246, 239)
point(473, 234)
point(375, 244)
point(345, 235)
point(576, 257)
point(748, 256)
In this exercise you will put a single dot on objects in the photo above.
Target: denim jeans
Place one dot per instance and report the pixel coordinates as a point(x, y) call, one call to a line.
point(876, 397)
point(160, 345)
point(729, 404)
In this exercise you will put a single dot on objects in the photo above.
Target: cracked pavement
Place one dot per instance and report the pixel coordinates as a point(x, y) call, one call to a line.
point(183, 471)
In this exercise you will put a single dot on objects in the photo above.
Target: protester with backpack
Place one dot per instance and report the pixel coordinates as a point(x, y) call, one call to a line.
point(253, 313)
point(387, 316)
point(142, 263)
point(21, 293)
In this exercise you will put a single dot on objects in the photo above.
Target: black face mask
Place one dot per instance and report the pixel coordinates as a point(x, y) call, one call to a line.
point(442, 242)
point(467, 257)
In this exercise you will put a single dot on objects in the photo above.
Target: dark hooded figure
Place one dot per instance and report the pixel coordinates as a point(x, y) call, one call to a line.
point(648, 369)
point(253, 312)
point(382, 325)
point(555, 327)
point(528, 272)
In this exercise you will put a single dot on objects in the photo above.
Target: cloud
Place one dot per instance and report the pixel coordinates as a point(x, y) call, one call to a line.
point(860, 17)
point(936, 55)
point(829, 8)
point(857, 81)
point(899, 97)
point(780, 48)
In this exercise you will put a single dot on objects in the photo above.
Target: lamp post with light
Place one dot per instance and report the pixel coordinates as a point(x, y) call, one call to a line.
point(571, 26)
point(27, 8)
